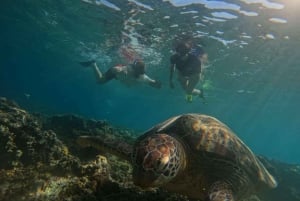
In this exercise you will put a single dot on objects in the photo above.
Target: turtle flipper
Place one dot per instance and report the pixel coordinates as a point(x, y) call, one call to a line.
point(220, 191)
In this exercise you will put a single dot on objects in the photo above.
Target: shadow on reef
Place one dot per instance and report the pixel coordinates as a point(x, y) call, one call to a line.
point(39, 160)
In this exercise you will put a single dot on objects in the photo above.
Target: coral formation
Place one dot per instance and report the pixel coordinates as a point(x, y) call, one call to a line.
point(40, 161)
point(36, 165)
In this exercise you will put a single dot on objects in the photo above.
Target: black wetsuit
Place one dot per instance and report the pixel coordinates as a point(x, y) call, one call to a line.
point(189, 72)
point(188, 67)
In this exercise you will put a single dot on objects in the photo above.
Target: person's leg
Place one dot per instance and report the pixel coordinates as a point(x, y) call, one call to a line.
point(87, 63)
point(184, 82)
point(107, 76)
point(191, 84)
point(197, 92)
point(99, 76)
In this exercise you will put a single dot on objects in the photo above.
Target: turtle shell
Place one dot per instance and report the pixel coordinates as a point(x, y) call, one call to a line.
point(201, 151)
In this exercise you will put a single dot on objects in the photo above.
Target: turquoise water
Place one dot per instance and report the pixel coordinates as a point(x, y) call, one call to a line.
point(251, 80)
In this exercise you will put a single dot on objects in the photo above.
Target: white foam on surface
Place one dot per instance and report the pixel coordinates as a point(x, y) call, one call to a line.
point(248, 13)
point(206, 3)
point(102, 2)
point(278, 20)
point(214, 19)
point(224, 15)
point(265, 3)
point(141, 4)
point(189, 12)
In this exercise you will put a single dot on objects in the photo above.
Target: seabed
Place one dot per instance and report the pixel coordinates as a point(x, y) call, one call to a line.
point(41, 161)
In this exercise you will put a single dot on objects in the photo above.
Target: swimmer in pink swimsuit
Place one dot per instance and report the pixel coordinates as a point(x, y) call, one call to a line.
point(129, 75)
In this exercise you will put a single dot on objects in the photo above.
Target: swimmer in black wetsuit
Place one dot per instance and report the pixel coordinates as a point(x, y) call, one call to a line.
point(129, 75)
point(189, 69)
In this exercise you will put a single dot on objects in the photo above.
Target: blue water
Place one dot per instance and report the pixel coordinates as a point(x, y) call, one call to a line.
point(253, 71)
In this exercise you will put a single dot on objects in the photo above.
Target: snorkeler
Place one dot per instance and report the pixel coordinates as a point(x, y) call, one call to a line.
point(187, 61)
point(127, 74)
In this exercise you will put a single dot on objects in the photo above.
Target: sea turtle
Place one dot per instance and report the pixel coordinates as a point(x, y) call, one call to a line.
point(192, 154)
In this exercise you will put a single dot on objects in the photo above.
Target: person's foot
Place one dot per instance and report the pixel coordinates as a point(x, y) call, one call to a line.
point(87, 63)
point(189, 98)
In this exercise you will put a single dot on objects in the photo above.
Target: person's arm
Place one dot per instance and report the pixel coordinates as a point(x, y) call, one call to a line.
point(151, 82)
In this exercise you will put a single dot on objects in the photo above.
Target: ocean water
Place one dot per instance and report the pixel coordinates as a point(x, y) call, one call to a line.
point(251, 81)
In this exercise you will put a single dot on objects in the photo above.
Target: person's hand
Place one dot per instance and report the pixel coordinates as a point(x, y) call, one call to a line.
point(156, 84)
point(171, 85)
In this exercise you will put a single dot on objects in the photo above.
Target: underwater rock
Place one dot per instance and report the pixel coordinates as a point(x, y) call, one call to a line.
point(36, 165)
point(288, 178)
point(40, 161)
point(69, 127)
point(24, 143)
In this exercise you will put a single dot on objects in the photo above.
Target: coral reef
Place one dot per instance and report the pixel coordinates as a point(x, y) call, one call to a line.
point(40, 161)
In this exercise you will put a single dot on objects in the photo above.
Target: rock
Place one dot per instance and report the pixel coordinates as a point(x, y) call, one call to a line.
point(36, 165)
point(288, 178)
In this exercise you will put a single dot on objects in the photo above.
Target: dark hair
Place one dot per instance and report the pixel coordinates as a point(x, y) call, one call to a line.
point(139, 67)
point(183, 47)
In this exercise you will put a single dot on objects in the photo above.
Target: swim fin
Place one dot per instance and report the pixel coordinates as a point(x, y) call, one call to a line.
point(189, 98)
point(87, 63)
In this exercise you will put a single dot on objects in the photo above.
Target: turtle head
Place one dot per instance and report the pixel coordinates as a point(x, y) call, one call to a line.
point(157, 159)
